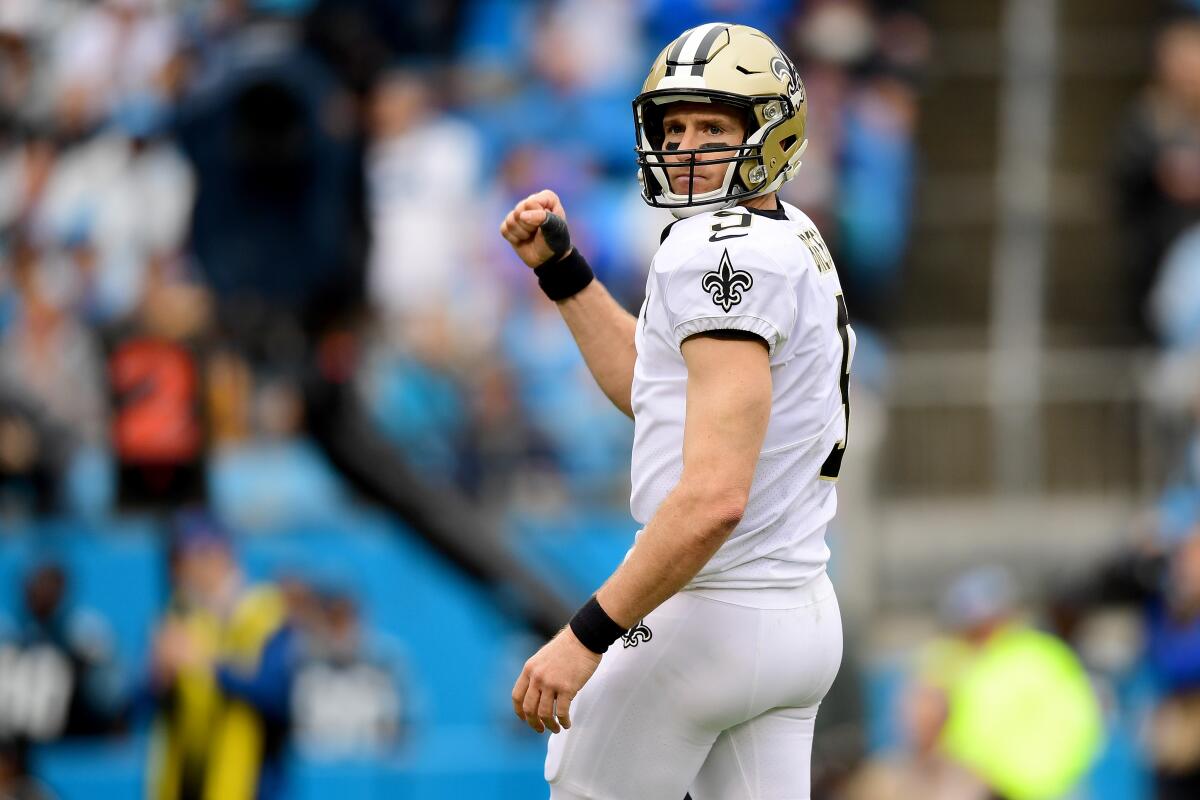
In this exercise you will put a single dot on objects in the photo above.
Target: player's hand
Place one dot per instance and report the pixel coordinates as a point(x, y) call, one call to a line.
point(522, 227)
point(550, 680)
point(175, 649)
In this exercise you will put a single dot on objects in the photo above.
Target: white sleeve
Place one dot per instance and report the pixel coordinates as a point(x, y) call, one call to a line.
point(729, 285)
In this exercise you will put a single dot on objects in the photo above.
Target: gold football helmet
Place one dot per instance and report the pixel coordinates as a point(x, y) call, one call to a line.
point(739, 66)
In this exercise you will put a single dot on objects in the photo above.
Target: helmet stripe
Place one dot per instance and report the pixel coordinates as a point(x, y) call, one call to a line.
point(698, 35)
point(676, 49)
point(706, 44)
point(698, 40)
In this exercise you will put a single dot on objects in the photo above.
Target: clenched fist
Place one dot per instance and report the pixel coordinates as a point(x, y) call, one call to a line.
point(522, 227)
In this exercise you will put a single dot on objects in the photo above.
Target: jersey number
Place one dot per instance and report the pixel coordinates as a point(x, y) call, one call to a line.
point(156, 390)
point(832, 467)
point(729, 230)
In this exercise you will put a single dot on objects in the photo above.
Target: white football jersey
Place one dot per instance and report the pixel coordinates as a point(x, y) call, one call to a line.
point(768, 273)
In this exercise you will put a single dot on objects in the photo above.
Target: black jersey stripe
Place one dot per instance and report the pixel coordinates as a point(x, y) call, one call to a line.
point(832, 468)
point(666, 232)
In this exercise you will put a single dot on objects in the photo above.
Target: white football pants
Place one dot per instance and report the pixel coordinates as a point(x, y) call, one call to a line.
point(720, 701)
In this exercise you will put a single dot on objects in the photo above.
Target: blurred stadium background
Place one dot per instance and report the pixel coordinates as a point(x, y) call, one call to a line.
point(249, 262)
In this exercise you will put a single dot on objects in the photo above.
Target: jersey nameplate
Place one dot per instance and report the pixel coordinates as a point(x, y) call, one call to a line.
point(816, 245)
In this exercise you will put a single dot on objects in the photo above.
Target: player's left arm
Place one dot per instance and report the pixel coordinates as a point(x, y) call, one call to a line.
point(728, 408)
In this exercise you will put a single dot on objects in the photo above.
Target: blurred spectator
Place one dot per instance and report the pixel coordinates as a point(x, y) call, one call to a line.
point(157, 375)
point(876, 193)
point(1177, 511)
point(1162, 578)
point(57, 669)
point(20, 92)
point(46, 354)
point(1173, 648)
point(30, 472)
point(564, 404)
point(423, 409)
point(1022, 714)
point(265, 473)
point(814, 191)
point(923, 770)
point(1174, 302)
point(52, 401)
point(1158, 162)
point(861, 70)
point(577, 104)
point(279, 222)
point(601, 38)
point(423, 172)
point(15, 781)
point(111, 56)
point(221, 671)
point(829, 41)
point(346, 698)
point(25, 169)
point(508, 448)
point(118, 202)
point(58, 677)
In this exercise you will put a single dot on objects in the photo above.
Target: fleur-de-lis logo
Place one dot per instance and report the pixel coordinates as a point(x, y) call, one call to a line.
point(726, 284)
point(785, 70)
point(637, 634)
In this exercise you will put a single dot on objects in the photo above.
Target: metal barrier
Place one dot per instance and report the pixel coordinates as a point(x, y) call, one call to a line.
point(1111, 422)
point(923, 497)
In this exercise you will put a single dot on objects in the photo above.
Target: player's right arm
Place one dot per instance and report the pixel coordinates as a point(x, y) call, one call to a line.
point(603, 330)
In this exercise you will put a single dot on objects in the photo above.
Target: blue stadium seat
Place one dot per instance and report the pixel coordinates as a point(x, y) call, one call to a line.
point(577, 553)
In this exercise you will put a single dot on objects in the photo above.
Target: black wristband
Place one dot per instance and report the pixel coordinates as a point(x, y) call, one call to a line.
point(594, 627)
point(563, 278)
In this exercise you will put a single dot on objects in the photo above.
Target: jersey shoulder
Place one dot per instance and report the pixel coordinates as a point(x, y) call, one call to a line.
point(735, 233)
point(729, 270)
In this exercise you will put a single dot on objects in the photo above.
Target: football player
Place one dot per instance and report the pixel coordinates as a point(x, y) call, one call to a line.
point(700, 663)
